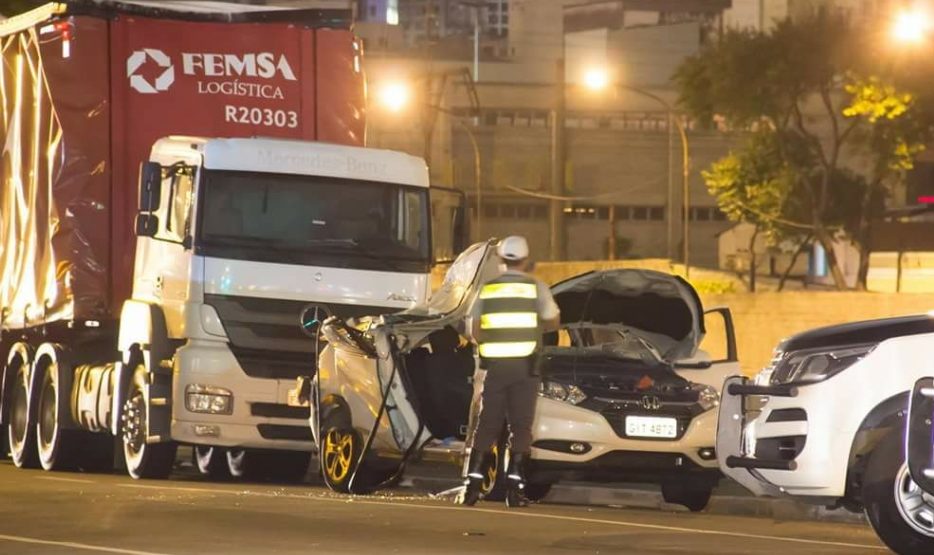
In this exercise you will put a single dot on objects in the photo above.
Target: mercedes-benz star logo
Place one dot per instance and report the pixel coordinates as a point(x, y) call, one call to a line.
point(138, 82)
point(651, 402)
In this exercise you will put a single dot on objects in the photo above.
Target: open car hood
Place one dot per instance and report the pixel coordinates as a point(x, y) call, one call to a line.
point(661, 309)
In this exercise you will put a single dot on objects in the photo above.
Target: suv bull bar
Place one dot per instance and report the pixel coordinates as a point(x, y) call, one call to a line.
point(734, 462)
point(920, 437)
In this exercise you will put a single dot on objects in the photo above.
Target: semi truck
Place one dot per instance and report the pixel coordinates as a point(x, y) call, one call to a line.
point(180, 181)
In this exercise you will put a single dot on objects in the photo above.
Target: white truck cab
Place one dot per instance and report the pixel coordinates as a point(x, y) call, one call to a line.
point(235, 238)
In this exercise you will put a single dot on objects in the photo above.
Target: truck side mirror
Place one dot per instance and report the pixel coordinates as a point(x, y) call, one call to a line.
point(150, 186)
point(147, 225)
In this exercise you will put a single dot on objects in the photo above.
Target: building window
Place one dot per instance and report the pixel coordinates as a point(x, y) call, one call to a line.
point(657, 213)
point(640, 213)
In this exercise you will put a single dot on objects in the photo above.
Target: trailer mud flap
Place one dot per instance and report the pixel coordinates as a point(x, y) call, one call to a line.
point(920, 436)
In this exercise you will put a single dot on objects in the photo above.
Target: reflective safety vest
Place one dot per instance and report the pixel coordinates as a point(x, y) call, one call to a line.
point(509, 324)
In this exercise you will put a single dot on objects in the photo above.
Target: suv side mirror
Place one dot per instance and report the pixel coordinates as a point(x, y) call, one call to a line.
point(147, 225)
point(150, 186)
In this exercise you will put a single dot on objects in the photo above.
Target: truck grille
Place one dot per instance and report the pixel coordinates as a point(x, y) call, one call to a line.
point(265, 335)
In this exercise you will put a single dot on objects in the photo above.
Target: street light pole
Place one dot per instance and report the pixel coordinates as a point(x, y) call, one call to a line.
point(558, 163)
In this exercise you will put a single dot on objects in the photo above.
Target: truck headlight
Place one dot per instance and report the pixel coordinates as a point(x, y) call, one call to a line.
point(817, 365)
point(707, 397)
point(561, 392)
point(208, 399)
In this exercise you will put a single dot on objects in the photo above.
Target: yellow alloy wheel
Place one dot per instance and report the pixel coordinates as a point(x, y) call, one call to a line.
point(489, 480)
point(338, 454)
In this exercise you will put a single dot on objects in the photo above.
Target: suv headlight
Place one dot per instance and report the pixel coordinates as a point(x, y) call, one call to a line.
point(561, 392)
point(817, 365)
point(707, 397)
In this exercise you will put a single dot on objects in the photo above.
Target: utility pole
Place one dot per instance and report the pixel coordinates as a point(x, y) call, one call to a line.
point(475, 8)
point(558, 165)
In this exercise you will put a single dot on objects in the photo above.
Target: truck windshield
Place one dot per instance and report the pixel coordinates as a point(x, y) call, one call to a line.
point(311, 220)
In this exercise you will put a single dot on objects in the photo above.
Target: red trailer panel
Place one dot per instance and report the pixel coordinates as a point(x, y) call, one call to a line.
point(85, 95)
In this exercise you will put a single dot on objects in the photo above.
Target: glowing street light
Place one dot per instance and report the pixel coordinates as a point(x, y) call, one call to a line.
point(911, 26)
point(596, 79)
point(393, 96)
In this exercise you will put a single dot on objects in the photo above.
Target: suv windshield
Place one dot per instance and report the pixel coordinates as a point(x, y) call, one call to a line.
point(298, 219)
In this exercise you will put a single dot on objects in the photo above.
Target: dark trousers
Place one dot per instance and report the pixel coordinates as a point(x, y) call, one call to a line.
point(509, 394)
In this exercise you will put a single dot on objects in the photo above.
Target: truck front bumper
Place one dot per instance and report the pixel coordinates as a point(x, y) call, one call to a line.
point(260, 417)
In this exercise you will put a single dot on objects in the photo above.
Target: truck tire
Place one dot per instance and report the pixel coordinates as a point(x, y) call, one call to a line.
point(268, 465)
point(143, 460)
point(896, 507)
point(693, 496)
point(22, 432)
point(59, 448)
point(211, 462)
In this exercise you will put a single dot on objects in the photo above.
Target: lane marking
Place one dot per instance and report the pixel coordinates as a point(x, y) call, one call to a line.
point(71, 480)
point(73, 545)
point(626, 524)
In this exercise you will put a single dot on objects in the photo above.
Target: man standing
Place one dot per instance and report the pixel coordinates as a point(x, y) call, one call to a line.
point(511, 313)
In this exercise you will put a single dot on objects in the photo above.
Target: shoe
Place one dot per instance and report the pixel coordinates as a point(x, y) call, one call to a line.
point(516, 480)
point(473, 481)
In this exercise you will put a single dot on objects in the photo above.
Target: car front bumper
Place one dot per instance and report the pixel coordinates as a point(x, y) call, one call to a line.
point(607, 456)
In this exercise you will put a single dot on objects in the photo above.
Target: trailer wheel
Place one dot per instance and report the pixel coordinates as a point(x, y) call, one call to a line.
point(899, 511)
point(143, 460)
point(59, 448)
point(22, 434)
point(211, 461)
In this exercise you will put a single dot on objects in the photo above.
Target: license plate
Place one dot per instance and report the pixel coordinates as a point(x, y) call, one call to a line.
point(651, 426)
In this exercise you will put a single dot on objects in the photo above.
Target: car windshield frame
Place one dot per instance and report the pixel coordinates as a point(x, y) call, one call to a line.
point(376, 248)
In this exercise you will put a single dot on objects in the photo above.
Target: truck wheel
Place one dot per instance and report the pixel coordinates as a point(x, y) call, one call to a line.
point(22, 433)
point(899, 511)
point(211, 462)
point(59, 448)
point(143, 460)
point(693, 496)
point(268, 465)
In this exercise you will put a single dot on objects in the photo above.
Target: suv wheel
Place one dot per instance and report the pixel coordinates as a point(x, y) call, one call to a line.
point(900, 512)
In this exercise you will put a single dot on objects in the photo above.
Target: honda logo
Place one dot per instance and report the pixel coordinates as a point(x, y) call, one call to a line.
point(651, 402)
point(138, 82)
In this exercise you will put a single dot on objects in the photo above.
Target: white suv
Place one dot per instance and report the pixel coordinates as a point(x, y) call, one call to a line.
point(826, 423)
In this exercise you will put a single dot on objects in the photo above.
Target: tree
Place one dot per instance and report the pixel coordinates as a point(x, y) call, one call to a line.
point(790, 82)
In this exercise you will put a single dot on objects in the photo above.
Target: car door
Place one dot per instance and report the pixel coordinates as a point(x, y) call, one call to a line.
point(717, 356)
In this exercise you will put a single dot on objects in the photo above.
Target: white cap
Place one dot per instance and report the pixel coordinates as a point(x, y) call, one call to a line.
point(513, 247)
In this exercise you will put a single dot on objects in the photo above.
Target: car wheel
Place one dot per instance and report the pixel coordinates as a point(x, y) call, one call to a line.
point(143, 460)
point(693, 496)
point(536, 492)
point(899, 511)
point(339, 457)
point(494, 485)
point(211, 461)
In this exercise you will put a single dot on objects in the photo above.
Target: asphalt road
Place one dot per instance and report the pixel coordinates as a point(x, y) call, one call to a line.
point(59, 513)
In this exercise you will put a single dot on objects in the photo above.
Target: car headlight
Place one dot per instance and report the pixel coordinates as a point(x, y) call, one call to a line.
point(817, 365)
point(561, 392)
point(707, 397)
point(208, 399)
